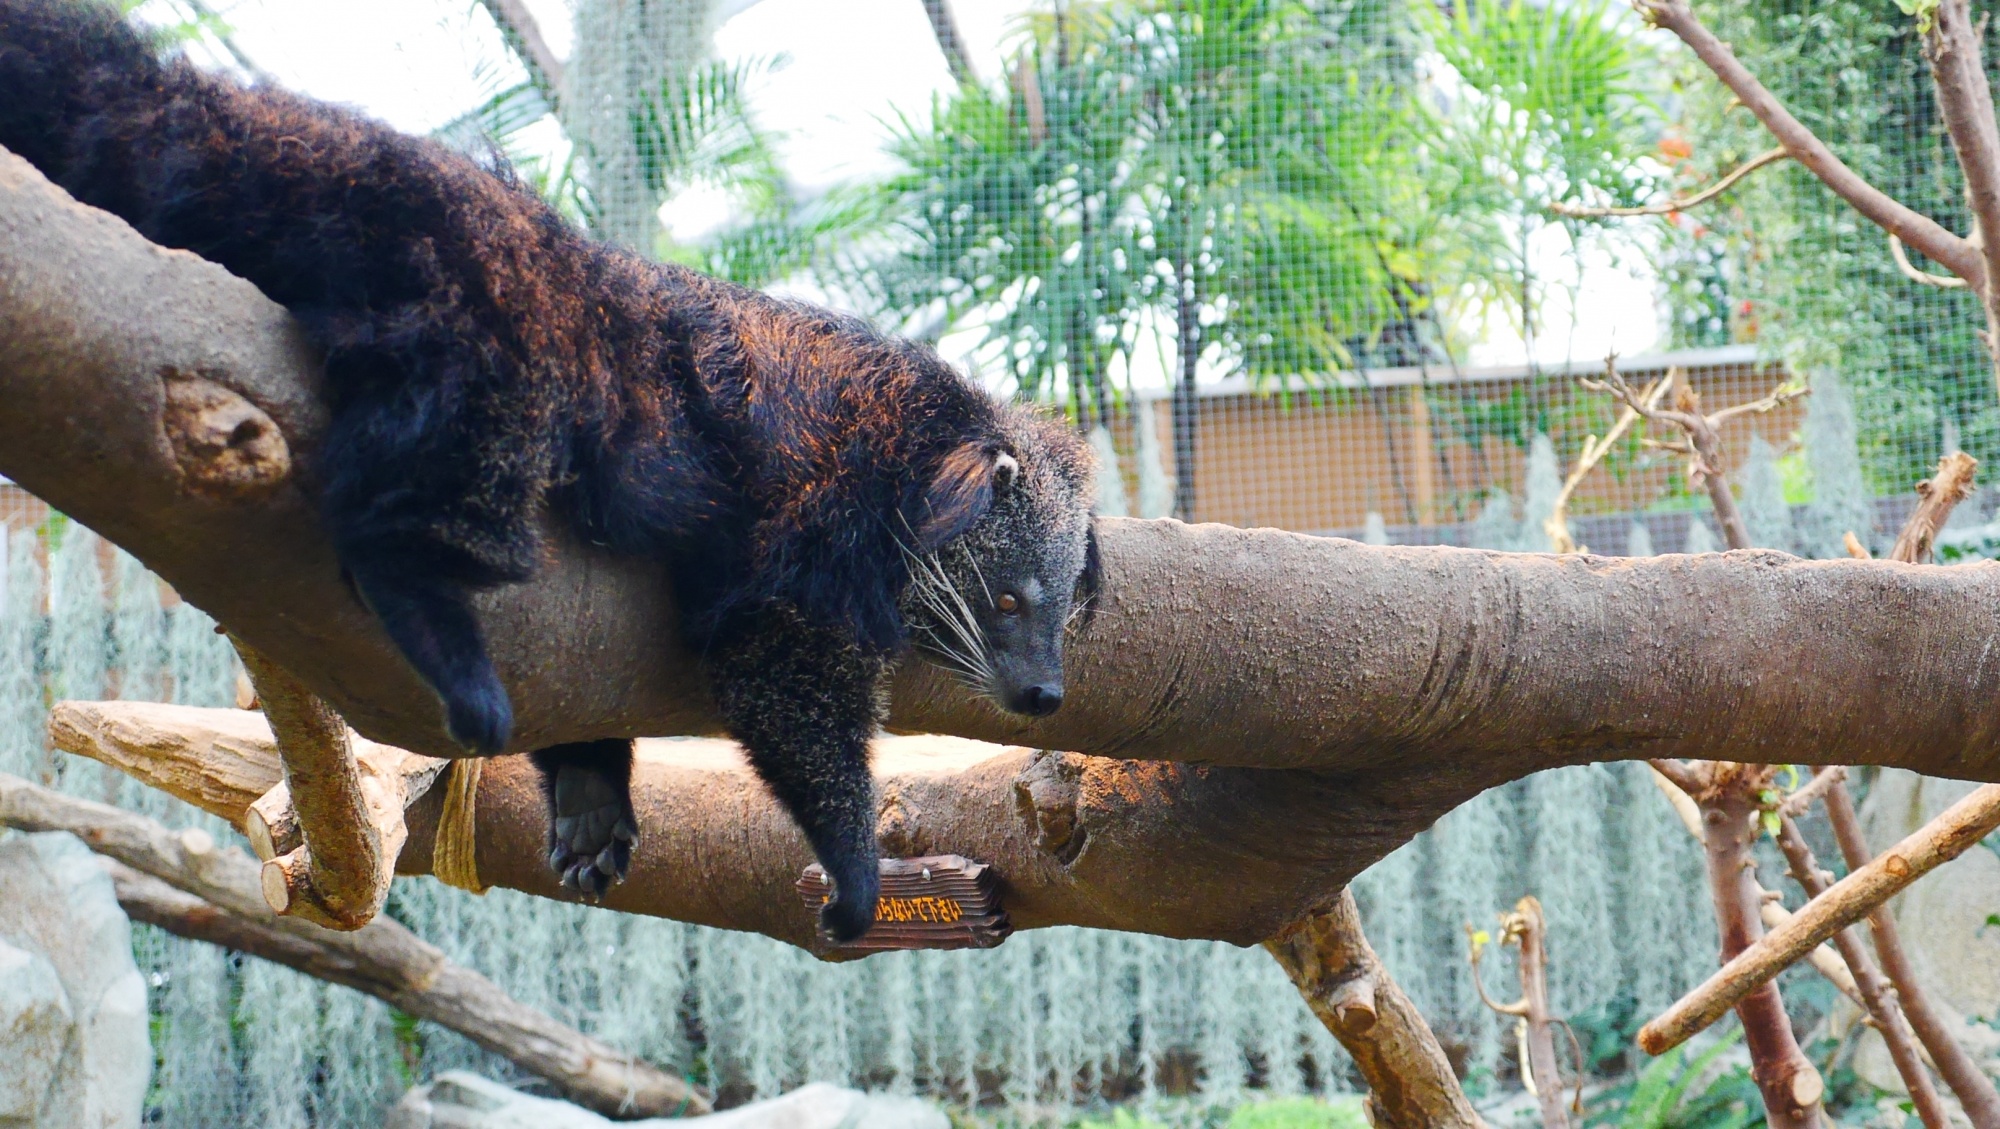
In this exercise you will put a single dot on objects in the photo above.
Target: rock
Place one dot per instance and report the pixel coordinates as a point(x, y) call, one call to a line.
point(35, 1023)
point(462, 1100)
point(1942, 920)
point(72, 1003)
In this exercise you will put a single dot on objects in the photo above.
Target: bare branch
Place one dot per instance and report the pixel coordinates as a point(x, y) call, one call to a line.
point(1668, 207)
point(1854, 547)
point(349, 834)
point(1965, 102)
point(525, 39)
point(944, 27)
point(1848, 901)
point(1969, 1083)
point(1410, 1082)
point(1691, 779)
point(1594, 450)
point(1941, 281)
point(1921, 232)
point(382, 958)
point(1878, 998)
point(1801, 801)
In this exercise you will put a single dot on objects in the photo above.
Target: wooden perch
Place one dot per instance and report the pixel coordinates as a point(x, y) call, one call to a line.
point(333, 853)
point(1878, 998)
point(1845, 903)
point(1410, 1082)
point(1226, 854)
point(187, 885)
point(1210, 644)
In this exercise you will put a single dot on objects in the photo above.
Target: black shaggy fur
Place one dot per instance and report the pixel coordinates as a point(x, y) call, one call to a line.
point(483, 360)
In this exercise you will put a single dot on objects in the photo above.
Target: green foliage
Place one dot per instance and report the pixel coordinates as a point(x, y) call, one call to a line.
point(1299, 1113)
point(1552, 105)
point(1782, 262)
point(1673, 1092)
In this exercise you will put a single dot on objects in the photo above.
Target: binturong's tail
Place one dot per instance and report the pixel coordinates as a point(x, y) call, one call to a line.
point(74, 77)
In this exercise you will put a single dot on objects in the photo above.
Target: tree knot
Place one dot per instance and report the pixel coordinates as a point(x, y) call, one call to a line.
point(225, 446)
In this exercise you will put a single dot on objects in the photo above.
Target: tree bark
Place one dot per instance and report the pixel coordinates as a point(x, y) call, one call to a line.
point(1791, 1086)
point(1410, 1083)
point(1393, 682)
point(199, 891)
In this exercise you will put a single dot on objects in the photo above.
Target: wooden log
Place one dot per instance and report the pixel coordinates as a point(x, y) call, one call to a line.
point(213, 894)
point(1846, 902)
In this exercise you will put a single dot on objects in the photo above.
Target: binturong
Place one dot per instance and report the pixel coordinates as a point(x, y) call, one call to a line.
point(825, 498)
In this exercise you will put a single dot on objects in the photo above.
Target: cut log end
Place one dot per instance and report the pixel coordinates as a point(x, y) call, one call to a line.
point(276, 884)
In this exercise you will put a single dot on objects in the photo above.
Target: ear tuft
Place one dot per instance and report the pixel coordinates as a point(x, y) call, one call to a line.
point(1005, 470)
point(960, 494)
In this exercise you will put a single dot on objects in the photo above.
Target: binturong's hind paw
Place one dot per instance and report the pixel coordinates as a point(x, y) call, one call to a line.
point(593, 831)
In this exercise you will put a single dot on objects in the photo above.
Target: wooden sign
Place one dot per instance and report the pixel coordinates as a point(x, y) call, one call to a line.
point(933, 902)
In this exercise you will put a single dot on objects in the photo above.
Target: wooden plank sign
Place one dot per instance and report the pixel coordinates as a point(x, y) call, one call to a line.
point(933, 902)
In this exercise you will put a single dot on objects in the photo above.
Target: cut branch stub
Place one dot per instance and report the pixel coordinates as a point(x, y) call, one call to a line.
point(225, 446)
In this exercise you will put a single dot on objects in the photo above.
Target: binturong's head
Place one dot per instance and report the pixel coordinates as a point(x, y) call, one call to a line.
point(1006, 560)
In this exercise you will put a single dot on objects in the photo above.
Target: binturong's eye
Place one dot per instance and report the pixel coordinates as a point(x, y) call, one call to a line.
point(1008, 603)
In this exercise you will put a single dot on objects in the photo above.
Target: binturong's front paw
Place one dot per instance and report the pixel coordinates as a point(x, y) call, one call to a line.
point(592, 832)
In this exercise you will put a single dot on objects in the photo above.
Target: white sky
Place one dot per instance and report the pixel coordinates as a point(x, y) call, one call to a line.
point(849, 67)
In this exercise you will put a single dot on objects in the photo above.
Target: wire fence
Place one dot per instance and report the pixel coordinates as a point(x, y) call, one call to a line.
point(1289, 265)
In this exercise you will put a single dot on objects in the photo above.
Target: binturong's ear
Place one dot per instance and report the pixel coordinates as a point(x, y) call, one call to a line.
point(962, 492)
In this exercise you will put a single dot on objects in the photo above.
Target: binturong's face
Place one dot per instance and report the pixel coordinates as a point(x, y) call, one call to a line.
point(992, 604)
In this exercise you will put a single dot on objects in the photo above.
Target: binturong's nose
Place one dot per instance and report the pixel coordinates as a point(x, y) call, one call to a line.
point(1039, 700)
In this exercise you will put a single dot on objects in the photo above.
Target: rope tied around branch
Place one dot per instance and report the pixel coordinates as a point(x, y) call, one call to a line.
point(455, 855)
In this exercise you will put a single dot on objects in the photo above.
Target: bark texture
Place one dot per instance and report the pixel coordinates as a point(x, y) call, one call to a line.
point(1410, 1083)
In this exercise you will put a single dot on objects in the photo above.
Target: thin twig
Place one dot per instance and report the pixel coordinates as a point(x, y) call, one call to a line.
point(1801, 801)
point(1594, 450)
point(1941, 281)
point(1668, 207)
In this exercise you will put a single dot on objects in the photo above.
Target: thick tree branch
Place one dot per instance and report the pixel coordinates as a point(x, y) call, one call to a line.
point(382, 958)
point(1922, 232)
point(1228, 854)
